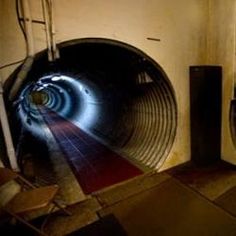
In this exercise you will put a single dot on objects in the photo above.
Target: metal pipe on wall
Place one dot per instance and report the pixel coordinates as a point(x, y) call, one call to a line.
point(53, 32)
point(48, 15)
point(28, 27)
point(30, 51)
point(47, 30)
point(7, 134)
point(21, 76)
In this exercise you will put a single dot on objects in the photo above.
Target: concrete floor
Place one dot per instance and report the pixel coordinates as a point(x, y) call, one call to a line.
point(185, 200)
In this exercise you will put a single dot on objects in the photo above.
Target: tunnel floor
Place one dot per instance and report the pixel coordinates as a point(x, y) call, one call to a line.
point(94, 165)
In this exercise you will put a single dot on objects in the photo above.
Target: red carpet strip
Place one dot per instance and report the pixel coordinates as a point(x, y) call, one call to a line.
point(94, 165)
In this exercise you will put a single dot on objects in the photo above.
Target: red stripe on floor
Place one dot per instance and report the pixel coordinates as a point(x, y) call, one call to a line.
point(94, 165)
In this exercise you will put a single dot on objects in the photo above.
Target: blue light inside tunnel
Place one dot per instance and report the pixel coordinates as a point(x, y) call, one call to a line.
point(77, 100)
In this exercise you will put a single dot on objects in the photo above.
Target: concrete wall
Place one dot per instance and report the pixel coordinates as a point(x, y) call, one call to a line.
point(221, 51)
point(180, 25)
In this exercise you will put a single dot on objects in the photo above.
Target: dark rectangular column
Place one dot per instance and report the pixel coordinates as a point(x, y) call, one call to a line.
point(205, 113)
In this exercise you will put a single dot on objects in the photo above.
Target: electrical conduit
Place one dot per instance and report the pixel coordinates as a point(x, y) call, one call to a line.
point(7, 133)
point(30, 51)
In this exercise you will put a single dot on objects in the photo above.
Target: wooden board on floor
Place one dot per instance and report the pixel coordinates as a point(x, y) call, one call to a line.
point(228, 201)
point(131, 187)
point(171, 209)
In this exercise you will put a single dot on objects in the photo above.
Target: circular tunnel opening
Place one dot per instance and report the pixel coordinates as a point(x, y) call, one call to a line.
point(110, 90)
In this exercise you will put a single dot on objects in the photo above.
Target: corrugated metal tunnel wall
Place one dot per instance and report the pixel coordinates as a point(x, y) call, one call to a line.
point(155, 124)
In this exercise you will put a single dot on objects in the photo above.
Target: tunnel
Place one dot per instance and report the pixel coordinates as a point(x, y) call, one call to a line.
point(113, 92)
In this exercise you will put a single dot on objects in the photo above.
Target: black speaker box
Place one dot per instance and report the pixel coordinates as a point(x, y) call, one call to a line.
point(205, 113)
